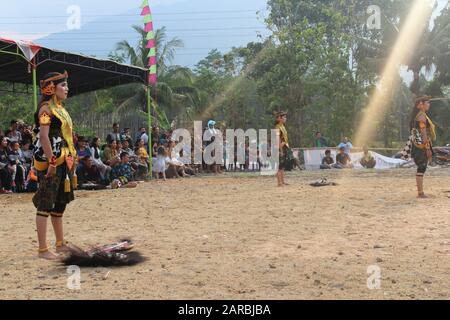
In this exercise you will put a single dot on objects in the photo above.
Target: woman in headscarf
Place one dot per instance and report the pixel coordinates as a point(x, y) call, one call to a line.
point(54, 160)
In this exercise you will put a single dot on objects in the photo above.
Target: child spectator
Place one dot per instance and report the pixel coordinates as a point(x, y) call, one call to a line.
point(343, 160)
point(327, 161)
point(368, 161)
point(159, 164)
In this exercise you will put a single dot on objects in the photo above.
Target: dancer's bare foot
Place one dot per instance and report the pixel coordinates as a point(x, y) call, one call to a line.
point(62, 249)
point(48, 255)
point(280, 185)
point(422, 196)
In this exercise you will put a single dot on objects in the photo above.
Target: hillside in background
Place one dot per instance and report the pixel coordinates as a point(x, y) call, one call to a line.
point(202, 25)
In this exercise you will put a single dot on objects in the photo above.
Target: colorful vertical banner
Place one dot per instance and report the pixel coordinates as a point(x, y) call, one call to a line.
point(151, 44)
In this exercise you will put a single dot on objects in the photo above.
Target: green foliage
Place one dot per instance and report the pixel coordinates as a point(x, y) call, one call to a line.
point(321, 64)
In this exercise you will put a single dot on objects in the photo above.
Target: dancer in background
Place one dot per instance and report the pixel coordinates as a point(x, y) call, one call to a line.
point(423, 133)
point(281, 118)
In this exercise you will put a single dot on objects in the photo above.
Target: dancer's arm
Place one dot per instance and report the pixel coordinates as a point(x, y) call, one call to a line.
point(44, 121)
point(423, 132)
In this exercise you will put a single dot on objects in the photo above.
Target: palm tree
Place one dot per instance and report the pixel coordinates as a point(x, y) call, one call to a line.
point(175, 87)
point(433, 51)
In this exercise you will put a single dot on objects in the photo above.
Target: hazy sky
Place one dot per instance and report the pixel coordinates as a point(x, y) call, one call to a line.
point(23, 19)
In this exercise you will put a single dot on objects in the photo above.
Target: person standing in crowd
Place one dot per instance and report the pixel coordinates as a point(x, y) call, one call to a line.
point(144, 136)
point(348, 146)
point(423, 133)
point(212, 132)
point(13, 133)
point(114, 135)
point(319, 141)
point(17, 167)
point(5, 174)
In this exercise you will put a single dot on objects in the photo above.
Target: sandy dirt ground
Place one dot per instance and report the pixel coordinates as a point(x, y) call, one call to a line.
point(237, 236)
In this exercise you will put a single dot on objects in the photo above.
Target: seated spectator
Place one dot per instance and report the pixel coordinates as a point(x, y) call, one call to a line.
point(141, 159)
point(27, 135)
point(27, 154)
point(82, 149)
point(126, 148)
point(327, 161)
point(126, 136)
point(160, 166)
point(5, 173)
point(119, 147)
point(110, 154)
point(87, 172)
point(16, 167)
point(104, 169)
point(175, 164)
point(348, 146)
point(343, 160)
point(368, 161)
point(123, 171)
point(319, 141)
point(141, 152)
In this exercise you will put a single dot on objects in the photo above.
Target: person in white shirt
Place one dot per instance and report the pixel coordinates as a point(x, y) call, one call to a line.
point(159, 164)
point(144, 136)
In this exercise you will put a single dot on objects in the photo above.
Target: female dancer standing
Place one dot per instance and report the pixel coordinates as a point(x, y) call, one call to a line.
point(54, 161)
point(423, 132)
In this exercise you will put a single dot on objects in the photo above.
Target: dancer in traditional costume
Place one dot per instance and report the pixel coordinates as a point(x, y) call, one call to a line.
point(281, 118)
point(423, 133)
point(54, 159)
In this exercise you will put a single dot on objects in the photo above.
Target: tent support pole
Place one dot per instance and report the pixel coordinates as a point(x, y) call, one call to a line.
point(150, 146)
point(34, 86)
